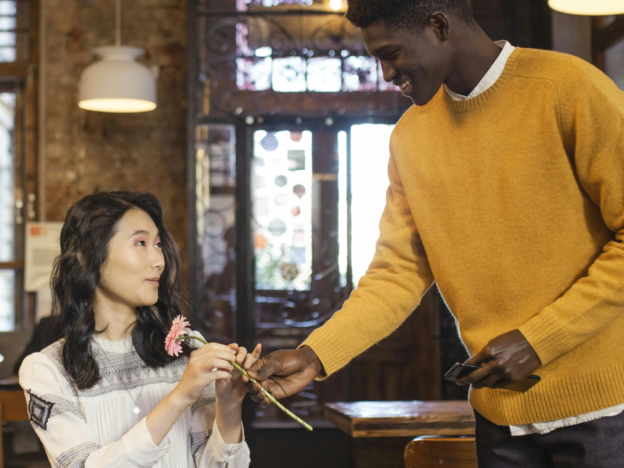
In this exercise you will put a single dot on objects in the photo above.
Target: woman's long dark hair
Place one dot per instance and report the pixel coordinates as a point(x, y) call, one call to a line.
point(89, 226)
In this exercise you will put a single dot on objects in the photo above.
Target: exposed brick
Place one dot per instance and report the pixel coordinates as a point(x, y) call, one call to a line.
point(88, 151)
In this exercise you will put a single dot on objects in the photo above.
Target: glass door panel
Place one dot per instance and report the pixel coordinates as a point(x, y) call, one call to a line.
point(281, 187)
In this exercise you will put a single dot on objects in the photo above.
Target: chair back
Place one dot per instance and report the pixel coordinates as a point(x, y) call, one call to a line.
point(12, 345)
point(434, 452)
point(13, 403)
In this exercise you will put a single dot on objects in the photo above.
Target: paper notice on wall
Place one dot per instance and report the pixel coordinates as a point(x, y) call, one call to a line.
point(42, 247)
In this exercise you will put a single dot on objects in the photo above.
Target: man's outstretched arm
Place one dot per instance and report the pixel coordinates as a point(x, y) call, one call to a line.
point(392, 288)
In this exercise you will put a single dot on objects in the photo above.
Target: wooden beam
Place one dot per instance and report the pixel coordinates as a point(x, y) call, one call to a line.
point(10, 70)
point(11, 265)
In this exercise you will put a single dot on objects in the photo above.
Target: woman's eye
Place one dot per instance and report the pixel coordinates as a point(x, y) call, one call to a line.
point(141, 243)
point(159, 245)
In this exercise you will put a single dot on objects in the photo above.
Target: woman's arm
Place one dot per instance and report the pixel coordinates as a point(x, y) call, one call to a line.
point(60, 425)
point(68, 439)
point(197, 376)
point(217, 436)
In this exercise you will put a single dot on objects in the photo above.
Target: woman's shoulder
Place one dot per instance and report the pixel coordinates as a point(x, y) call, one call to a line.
point(45, 368)
point(51, 356)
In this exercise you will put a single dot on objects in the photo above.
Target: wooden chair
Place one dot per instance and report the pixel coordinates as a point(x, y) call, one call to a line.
point(446, 452)
point(12, 409)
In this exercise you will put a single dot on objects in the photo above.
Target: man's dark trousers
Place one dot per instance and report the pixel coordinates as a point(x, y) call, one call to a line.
point(594, 444)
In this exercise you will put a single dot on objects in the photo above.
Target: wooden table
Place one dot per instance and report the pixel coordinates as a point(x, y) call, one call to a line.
point(402, 418)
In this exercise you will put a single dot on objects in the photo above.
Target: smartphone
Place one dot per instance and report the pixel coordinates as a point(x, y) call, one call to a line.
point(460, 370)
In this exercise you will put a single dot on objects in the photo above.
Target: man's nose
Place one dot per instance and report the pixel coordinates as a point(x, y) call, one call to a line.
point(389, 72)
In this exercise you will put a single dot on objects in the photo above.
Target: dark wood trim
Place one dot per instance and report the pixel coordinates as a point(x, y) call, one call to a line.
point(245, 259)
point(11, 265)
point(245, 287)
point(605, 37)
point(12, 70)
point(191, 182)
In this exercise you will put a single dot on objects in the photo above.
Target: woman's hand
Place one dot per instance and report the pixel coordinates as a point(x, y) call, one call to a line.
point(232, 391)
point(207, 364)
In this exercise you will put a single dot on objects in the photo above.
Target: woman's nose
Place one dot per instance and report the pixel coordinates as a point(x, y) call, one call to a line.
point(158, 260)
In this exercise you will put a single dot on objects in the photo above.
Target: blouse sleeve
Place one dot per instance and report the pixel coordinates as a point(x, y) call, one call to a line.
point(207, 446)
point(68, 440)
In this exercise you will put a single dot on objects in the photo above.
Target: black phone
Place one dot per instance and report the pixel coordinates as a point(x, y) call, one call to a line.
point(460, 370)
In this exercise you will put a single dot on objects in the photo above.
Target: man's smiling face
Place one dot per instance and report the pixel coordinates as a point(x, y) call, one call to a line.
point(417, 62)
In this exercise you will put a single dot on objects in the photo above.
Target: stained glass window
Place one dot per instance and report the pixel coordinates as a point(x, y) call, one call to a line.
point(282, 209)
point(360, 74)
point(273, 55)
point(324, 74)
point(253, 74)
point(243, 4)
point(289, 74)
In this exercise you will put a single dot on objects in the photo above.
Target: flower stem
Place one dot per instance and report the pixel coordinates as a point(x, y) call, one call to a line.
point(266, 392)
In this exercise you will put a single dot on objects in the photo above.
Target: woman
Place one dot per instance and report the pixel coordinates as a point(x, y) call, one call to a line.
point(107, 393)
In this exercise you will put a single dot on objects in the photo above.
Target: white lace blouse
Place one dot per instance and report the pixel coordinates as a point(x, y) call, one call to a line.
point(96, 428)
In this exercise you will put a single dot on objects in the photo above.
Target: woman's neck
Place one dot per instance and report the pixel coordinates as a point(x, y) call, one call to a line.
point(115, 318)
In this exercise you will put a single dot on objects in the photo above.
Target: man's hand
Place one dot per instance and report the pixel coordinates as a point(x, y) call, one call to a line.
point(284, 373)
point(505, 360)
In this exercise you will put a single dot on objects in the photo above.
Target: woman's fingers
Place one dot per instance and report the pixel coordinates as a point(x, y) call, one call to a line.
point(218, 354)
point(222, 375)
point(217, 363)
point(213, 347)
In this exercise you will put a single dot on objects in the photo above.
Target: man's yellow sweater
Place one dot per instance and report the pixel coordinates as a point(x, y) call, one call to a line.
point(514, 203)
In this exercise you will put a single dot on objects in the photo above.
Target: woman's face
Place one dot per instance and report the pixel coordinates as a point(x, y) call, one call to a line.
point(130, 274)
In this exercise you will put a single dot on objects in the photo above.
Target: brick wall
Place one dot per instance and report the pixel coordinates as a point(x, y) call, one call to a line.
point(86, 151)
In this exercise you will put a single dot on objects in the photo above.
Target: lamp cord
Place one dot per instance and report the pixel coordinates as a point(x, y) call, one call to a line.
point(117, 23)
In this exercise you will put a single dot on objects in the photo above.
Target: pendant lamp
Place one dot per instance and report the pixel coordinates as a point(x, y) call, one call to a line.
point(588, 7)
point(117, 83)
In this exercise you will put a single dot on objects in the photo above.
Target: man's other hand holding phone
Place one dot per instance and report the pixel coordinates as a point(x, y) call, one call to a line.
point(505, 360)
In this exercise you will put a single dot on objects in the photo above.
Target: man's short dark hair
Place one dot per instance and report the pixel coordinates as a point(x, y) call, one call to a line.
point(404, 14)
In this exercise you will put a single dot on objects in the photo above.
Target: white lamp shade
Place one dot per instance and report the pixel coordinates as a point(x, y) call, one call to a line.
point(117, 83)
point(588, 7)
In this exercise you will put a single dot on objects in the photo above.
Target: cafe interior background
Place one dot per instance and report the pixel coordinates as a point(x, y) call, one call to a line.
point(267, 147)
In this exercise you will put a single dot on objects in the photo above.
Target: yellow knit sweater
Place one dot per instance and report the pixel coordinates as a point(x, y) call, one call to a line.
point(514, 203)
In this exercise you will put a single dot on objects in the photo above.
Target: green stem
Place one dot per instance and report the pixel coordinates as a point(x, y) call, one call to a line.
point(266, 392)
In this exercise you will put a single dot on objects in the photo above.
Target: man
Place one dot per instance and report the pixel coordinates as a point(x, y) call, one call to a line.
point(507, 189)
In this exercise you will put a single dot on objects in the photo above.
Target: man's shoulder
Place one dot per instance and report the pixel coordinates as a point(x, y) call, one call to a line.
point(574, 78)
point(556, 67)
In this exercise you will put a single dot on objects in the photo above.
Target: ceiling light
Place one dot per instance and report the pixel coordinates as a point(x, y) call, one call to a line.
point(585, 7)
point(116, 82)
point(335, 4)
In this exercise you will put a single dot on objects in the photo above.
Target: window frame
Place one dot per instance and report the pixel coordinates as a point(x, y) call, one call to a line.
point(22, 77)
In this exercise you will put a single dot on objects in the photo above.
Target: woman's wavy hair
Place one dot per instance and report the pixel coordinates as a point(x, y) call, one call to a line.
point(89, 226)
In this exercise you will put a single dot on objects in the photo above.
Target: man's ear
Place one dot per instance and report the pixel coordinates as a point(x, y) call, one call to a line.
point(439, 22)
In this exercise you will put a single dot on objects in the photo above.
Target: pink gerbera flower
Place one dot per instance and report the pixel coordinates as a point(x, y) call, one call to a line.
point(179, 327)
